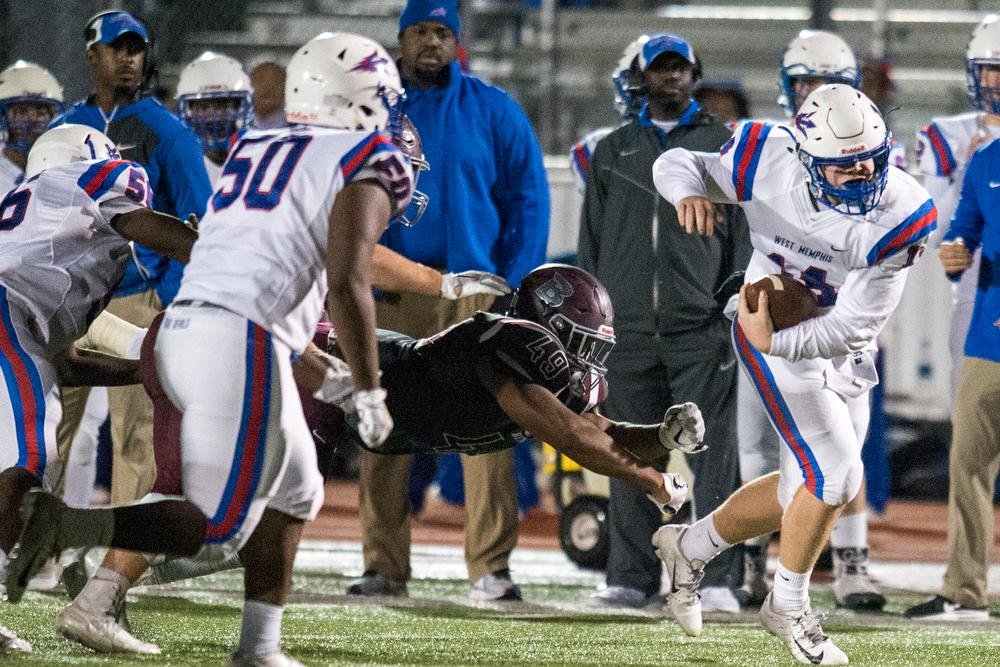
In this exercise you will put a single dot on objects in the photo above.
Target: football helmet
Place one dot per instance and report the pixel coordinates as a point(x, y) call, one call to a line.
point(344, 81)
point(626, 80)
point(214, 99)
point(984, 49)
point(838, 125)
point(407, 139)
point(69, 143)
point(30, 97)
point(574, 306)
point(816, 54)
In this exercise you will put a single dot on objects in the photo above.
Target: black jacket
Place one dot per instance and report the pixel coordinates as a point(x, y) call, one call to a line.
point(661, 280)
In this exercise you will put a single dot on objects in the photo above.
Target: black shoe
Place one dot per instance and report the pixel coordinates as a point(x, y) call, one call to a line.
point(372, 583)
point(940, 608)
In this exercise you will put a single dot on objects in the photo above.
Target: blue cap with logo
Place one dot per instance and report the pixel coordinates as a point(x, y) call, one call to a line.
point(442, 11)
point(664, 43)
point(106, 28)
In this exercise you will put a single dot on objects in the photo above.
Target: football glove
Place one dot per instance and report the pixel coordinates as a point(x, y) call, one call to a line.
point(468, 283)
point(337, 382)
point(374, 423)
point(683, 428)
point(677, 487)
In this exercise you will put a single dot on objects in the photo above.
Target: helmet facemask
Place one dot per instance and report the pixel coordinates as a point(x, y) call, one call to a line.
point(985, 98)
point(24, 119)
point(855, 197)
point(406, 137)
point(216, 117)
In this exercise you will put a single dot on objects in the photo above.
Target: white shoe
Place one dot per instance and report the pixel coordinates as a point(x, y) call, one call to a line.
point(47, 578)
point(802, 634)
point(852, 586)
point(273, 659)
point(497, 587)
point(11, 643)
point(683, 601)
point(98, 631)
point(719, 599)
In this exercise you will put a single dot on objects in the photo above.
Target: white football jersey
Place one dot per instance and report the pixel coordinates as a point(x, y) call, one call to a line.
point(59, 255)
point(262, 245)
point(213, 170)
point(10, 174)
point(856, 265)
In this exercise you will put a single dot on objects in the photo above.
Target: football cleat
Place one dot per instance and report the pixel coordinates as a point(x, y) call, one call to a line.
point(719, 600)
point(940, 608)
point(11, 643)
point(98, 631)
point(802, 634)
point(852, 586)
point(495, 587)
point(273, 659)
point(41, 513)
point(683, 600)
point(620, 597)
point(47, 578)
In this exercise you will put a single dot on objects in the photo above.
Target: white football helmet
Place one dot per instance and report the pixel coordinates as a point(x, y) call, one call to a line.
point(838, 125)
point(69, 143)
point(344, 81)
point(625, 80)
point(984, 49)
point(816, 54)
point(214, 99)
point(25, 82)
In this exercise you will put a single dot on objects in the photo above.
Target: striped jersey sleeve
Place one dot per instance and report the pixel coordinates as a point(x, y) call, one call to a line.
point(934, 153)
point(746, 155)
point(377, 157)
point(914, 229)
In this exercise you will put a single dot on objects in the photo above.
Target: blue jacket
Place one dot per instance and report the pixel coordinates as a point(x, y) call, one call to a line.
point(977, 221)
point(146, 132)
point(489, 197)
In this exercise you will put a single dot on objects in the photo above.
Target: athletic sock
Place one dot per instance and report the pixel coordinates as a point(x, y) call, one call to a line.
point(791, 590)
point(261, 630)
point(701, 541)
point(850, 532)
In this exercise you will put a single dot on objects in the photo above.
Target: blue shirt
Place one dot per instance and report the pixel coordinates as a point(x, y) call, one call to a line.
point(977, 221)
point(148, 133)
point(489, 196)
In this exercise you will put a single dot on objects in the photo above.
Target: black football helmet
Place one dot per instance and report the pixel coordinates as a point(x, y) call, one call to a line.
point(574, 306)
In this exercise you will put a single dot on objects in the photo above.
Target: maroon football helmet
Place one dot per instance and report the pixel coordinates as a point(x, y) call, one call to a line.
point(574, 306)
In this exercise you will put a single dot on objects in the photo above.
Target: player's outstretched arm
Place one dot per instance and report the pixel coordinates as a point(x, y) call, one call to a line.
point(537, 410)
point(86, 368)
point(396, 273)
point(682, 428)
point(163, 233)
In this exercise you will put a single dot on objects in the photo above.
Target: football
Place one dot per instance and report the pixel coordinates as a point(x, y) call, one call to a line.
point(789, 301)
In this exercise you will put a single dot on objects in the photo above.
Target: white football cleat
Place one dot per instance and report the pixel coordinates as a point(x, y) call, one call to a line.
point(98, 631)
point(683, 600)
point(11, 643)
point(719, 600)
point(852, 585)
point(802, 634)
point(273, 659)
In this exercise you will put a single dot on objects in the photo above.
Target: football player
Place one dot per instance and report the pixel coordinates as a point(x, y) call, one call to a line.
point(945, 147)
point(628, 101)
point(825, 207)
point(64, 243)
point(30, 97)
point(214, 99)
point(293, 224)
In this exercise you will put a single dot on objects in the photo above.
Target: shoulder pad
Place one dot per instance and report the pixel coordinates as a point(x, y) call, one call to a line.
point(376, 156)
point(912, 231)
point(527, 352)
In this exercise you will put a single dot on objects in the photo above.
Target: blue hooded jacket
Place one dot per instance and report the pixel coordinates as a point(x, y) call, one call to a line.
point(489, 196)
point(146, 132)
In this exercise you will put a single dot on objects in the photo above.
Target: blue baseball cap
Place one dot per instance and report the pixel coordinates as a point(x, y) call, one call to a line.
point(106, 28)
point(662, 43)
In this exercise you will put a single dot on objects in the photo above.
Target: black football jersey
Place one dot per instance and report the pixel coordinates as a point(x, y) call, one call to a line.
point(438, 401)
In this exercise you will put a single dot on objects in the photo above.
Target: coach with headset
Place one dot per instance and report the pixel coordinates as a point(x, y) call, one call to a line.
point(119, 55)
point(673, 343)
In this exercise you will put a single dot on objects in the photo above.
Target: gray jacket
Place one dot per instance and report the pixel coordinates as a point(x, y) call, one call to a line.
point(661, 280)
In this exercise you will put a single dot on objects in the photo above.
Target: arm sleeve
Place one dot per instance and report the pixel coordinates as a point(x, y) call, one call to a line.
point(934, 156)
point(377, 158)
point(863, 307)
point(521, 195)
point(968, 221)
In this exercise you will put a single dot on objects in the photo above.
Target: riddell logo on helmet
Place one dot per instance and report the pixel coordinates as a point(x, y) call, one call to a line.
point(851, 150)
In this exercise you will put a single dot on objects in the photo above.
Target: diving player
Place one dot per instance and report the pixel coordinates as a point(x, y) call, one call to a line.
point(824, 206)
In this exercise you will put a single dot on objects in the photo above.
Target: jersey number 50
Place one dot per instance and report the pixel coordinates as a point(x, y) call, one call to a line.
point(240, 169)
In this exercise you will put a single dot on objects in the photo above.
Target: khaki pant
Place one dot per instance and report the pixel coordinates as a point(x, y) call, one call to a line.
point(131, 414)
point(974, 463)
point(490, 492)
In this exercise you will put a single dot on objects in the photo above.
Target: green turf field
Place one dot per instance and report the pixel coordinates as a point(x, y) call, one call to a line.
point(198, 623)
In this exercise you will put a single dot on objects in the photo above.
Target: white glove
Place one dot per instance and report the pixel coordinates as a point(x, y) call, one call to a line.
point(337, 382)
point(374, 420)
point(677, 487)
point(468, 283)
point(683, 429)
